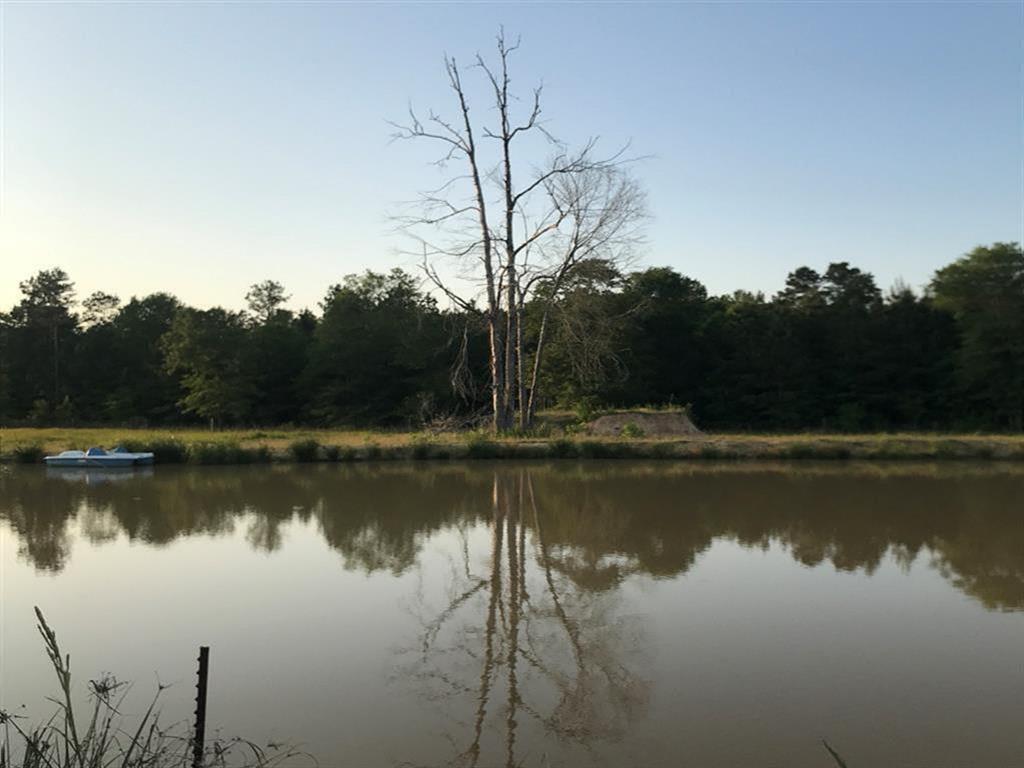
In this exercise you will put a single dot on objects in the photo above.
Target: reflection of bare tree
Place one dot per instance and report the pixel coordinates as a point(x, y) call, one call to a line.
point(523, 648)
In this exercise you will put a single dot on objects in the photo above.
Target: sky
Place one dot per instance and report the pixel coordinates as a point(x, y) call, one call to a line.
point(198, 148)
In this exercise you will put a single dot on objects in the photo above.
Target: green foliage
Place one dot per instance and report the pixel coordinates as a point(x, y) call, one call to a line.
point(379, 348)
point(206, 348)
point(265, 299)
point(985, 292)
point(829, 352)
point(332, 452)
point(586, 409)
point(631, 430)
point(304, 450)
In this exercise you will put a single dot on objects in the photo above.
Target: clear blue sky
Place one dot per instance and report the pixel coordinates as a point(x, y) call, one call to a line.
point(197, 148)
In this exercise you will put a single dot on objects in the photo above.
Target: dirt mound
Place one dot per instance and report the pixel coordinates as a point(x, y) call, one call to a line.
point(643, 424)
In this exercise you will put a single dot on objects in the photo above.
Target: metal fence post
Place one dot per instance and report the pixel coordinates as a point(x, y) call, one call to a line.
point(198, 744)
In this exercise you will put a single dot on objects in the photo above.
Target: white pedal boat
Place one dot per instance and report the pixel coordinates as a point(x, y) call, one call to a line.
point(97, 457)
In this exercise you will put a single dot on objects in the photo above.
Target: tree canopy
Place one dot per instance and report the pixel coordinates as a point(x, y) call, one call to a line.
point(829, 351)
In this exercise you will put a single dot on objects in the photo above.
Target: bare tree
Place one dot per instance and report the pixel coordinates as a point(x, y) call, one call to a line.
point(506, 238)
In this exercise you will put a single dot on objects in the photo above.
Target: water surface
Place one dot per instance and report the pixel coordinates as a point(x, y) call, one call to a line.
point(595, 614)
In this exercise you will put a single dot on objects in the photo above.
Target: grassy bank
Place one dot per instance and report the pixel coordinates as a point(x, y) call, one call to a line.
point(200, 446)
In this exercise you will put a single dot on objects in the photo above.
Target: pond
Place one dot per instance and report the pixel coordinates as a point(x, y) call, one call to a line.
point(540, 614)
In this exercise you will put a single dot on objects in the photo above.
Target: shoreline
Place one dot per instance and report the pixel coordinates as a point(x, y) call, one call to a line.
point(29, 445)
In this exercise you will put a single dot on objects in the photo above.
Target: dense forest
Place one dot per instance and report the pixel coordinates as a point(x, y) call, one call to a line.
point(831, 351)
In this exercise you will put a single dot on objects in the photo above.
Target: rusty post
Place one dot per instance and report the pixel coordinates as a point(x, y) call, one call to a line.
point(198, 744)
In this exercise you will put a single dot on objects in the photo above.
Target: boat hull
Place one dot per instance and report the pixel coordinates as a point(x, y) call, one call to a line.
point(106, 461)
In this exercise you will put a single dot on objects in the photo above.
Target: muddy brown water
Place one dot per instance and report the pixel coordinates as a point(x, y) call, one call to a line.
point(541, 614)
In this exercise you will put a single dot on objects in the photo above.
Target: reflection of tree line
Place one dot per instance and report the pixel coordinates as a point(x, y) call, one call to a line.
point(601, 522)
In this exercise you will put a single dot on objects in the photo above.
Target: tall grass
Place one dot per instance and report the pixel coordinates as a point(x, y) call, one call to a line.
point(28, 454)
point(245, 447)
point(227, 453)
point(102, 737)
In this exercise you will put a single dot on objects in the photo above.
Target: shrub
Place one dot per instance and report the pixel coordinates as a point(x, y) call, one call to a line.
point(28, 454)
point(631, 430)
point(304, 450)
point(332, 452)
point(164, 451)
point(586, 409)
point(169, 452)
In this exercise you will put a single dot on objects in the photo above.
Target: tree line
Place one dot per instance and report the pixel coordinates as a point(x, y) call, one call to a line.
point(831, 351)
